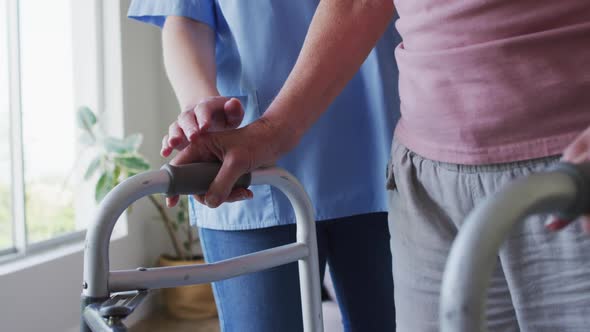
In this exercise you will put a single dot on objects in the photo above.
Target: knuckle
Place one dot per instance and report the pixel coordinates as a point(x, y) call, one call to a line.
point(184, 115)
point(204, 103)
point(239, 161)
point(203, 110)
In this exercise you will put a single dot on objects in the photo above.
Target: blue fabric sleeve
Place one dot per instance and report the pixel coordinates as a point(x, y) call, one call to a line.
point(156, 11)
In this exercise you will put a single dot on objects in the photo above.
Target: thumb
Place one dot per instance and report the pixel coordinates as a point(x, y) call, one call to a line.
point(221, 187)
point(195, 153)
point(184, 156)
point(234, 113)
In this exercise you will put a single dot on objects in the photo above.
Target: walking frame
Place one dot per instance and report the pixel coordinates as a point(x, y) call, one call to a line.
point(108, 297)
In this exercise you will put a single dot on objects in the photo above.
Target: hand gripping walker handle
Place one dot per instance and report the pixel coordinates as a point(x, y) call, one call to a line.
point(196, 178)
point(580, 173)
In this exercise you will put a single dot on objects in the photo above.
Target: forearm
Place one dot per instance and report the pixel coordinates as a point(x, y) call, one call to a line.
point(189, 58)
point(340, 37)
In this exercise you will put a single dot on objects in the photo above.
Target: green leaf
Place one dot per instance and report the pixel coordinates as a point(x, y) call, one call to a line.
point(175, 227)
point(123, 146)
point(86, 138)
point(116, 174)
point(85, 118)
point(181, 217)
point(103, 186)
point(116, 145)
point(133, 162)
point(186, 245)
point(133, 141)
point(92, 167)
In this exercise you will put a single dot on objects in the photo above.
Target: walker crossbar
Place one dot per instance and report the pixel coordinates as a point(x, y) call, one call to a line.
point(473, 255)
point(162, 277)
point(100, 283)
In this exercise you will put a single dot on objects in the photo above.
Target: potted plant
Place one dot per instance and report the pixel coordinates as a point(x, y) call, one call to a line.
point(116, 159)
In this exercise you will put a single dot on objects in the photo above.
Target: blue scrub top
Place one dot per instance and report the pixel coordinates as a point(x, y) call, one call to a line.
point(341, 161)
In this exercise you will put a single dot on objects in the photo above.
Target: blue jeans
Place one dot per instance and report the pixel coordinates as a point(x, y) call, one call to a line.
point(357, 249)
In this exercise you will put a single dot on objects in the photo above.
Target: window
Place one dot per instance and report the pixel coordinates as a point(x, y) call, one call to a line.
point(39, 66)
point(6, 230)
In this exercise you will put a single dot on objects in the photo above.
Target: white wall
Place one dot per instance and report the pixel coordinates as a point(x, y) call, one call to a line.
point(45, 297)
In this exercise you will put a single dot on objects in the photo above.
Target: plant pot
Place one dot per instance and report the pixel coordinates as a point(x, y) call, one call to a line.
point(193, 302)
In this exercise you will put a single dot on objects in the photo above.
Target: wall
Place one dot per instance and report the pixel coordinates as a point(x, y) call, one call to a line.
point(45, 297)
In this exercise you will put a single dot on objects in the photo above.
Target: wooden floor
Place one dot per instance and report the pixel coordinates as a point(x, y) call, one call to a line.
point(162, 322)
point(159, 321)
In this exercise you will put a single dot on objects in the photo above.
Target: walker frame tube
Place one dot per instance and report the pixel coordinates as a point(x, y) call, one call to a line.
point(163, 277)
point(473, 255)
point(99, 282)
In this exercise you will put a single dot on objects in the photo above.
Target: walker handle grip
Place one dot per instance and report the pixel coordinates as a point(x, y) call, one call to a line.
point(196, 178)
point(581, 175)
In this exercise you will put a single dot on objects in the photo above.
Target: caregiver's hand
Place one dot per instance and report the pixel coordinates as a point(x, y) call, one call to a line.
point(241, 151)
point(211, 114)
point(577, 152)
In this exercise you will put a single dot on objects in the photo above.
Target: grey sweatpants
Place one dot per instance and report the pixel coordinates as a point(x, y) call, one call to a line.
point(542, 279)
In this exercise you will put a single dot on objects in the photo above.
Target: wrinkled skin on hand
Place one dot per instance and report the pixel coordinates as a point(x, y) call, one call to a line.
point(240, 150)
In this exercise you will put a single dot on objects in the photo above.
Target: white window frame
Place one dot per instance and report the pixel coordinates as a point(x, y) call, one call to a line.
point(89, 89)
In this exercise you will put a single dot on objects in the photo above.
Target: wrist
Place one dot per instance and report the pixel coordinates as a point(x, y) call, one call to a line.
point(286, 130)
point(191, 103)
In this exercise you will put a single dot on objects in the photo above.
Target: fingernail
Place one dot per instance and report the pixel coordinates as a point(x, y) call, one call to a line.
point(556, 224)
point(212, 201)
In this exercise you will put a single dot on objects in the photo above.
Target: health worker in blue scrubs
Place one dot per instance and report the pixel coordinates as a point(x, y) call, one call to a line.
point(215, 50)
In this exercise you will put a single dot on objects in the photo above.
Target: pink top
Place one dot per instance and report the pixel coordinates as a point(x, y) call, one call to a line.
point(491, 81)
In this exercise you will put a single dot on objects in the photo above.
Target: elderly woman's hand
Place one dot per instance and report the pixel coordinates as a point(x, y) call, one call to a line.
point(577, 152)
point(241, 151)
point(211, 114)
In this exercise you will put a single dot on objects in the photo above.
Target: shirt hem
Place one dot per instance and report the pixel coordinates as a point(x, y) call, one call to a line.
point(504, 153)
point(279, 222)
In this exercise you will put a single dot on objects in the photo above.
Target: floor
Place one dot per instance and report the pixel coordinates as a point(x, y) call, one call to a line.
point(161, 322)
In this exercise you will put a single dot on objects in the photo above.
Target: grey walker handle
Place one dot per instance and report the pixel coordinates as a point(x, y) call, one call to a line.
point(196, 178)
point(473, 255)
